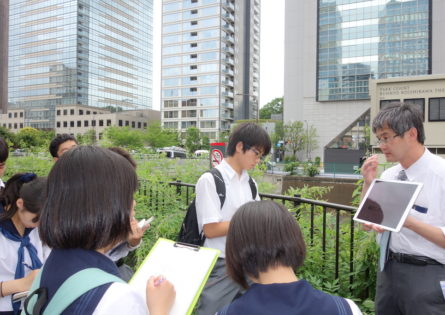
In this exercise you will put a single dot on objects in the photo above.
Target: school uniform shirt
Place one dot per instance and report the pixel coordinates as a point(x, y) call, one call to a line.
point(109, 298)
point(293, 298)
point(8, 260)
point(208, 206)
point(429, 206)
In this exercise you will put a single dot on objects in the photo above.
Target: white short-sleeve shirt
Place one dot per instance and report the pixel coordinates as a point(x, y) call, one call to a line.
point(208, 208)
point(429, 170)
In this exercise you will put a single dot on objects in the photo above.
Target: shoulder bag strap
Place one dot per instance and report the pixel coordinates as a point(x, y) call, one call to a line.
point(220, 185)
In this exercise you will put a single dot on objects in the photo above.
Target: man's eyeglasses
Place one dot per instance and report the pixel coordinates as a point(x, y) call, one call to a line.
point(386, 139)
point(257, 153)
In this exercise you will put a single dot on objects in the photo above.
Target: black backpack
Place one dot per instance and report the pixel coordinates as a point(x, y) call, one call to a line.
point(189, 232)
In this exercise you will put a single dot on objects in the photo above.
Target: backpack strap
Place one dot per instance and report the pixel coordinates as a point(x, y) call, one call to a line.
point(220, 185)
point(253, 188)
point(74, 287)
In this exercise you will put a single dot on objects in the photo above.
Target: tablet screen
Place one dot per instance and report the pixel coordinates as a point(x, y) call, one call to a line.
point(387, 203)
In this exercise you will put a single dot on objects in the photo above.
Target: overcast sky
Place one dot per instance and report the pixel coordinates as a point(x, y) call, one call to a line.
point(272, 51)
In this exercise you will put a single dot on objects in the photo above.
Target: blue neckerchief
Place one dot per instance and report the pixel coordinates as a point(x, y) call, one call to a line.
point(9, 231)
point(62, 263)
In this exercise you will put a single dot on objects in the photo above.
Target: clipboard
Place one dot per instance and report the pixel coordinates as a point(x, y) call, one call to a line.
point(186, 266)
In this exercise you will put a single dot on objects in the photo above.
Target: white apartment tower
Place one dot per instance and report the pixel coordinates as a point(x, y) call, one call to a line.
point(210, 64)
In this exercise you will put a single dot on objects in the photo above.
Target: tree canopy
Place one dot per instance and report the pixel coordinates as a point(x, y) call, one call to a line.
point(273, 107)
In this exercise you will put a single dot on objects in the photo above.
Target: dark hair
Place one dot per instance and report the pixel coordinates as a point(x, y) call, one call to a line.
point(30, 188)
point(4, 150)
point(90, 196)
point(400, 117)
point(125, 154)
point(262, 234)
point(251, 135)
point(57, 141)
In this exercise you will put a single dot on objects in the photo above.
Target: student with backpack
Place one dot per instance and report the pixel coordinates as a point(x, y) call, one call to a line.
point(265, 245)
point(247, 144)
point(21, 251)
point(88, 211)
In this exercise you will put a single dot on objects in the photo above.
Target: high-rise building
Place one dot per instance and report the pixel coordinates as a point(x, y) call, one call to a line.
point(4, 12)
point(333, 48)
point(210, 63)
point(79, 52)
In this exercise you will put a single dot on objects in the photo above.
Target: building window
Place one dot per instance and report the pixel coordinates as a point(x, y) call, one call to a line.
point(193, 56)
point(127, 123)
point(194, 12)
point(65, 112)
point(192, 34)
point(21, 114)
point(437, 109)
point(386, 103)
point(65, 124)
point(120, 123)
point(71, 111)
point(420, 102)
point(9, 115)
point(21, 125)
point(58, 124)
point(194, 23)
point(15, 115)
point(193, 78)
point(101, 123)
point(193, 67)
point(189, 102)
point(88, 112)
point(80, 111)
point(93, 123)
point(139, 125)
point(133, 124)
point(15, 126)
point(193, 45)
point(189, 113)
point(170, 103)
point(108, 122)
point(79, 123)
point(58, 112)
point(71, 123)
point(85, 123)
point(171, 114)
point(145, 125)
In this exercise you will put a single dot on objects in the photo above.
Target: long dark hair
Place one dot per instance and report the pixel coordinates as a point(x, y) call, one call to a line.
point(90, 197)
point(27, 186)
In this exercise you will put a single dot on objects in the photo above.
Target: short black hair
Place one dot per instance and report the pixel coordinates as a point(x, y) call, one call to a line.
point(90, 197)
point(125, 154)
point(30, 188)
point(4, 150)
point(262, 234)
point(57, 141)
point(400, 117)
point(251, 135)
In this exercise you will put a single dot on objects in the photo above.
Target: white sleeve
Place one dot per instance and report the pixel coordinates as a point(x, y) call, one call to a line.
point(120, 298)
point(208, 205)
point(121, 251)
point(354, 308)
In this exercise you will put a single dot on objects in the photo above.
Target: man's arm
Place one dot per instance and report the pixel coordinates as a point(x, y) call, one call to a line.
point(432, 233)
point(208, 208)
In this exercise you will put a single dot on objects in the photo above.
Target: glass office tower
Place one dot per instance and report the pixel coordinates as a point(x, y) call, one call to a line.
point(210, 63)
point(359, 40)
point(69, 52)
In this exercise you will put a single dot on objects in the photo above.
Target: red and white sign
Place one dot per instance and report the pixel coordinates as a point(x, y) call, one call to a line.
point(217, 157)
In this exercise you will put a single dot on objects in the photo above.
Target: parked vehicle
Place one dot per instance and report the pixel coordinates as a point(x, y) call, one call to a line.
point(173, 152)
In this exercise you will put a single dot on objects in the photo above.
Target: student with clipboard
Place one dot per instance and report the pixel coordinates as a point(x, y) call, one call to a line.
point(411, 271)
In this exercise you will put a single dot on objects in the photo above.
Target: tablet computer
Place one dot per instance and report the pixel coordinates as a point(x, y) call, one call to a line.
point(387, 203)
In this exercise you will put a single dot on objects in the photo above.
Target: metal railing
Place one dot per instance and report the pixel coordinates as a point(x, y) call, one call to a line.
point(335, 219)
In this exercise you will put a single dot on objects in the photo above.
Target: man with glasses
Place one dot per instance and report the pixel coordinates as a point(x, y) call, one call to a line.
point(247, 144)
point(411, 279)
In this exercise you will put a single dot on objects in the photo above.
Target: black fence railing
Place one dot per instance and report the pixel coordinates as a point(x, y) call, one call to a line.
point(327, 227)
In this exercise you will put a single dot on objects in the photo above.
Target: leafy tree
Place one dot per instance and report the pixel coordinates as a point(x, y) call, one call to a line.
point(30, 138)
point(88, 138)
point(158, 137)
point(192, 139)
point(9, 136)
point(276, 136)
point(273, 107)
point(124, 137)
point(294, 136)
point(311, 142)
point(205, 143)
